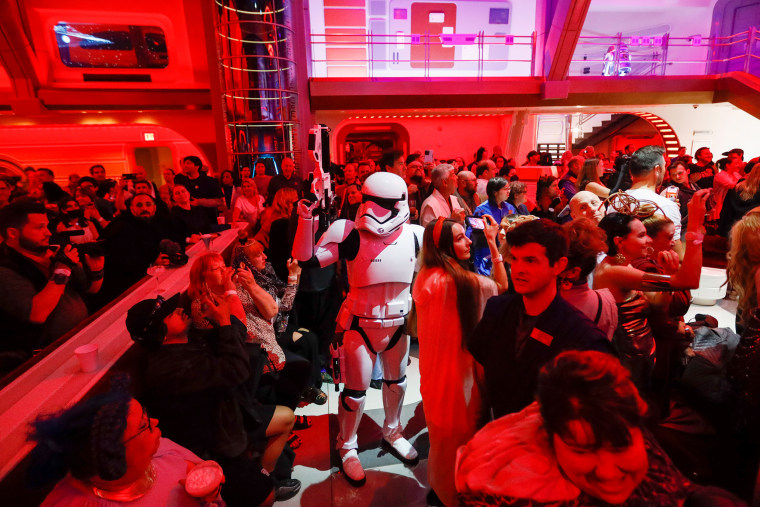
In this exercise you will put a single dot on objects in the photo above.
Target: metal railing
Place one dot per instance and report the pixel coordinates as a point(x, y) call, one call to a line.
point(422, 55)
point(373, 55)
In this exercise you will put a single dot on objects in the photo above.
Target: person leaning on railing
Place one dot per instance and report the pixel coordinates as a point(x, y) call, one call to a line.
point(42, 289)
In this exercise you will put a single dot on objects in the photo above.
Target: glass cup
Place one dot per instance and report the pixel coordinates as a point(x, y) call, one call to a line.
point(156, 272)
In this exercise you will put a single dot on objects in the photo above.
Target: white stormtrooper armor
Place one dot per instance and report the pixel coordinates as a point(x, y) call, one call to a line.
point(380, 249)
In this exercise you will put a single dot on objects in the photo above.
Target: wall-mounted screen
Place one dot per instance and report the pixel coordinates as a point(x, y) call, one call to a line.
point(98, 45)
point(498, 16)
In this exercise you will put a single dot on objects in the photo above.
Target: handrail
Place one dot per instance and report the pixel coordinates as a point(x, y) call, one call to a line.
point(375, 55)
point(56, 381)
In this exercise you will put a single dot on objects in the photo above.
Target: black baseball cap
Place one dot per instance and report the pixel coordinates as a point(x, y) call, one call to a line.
point(737, 151)
point(145, 320)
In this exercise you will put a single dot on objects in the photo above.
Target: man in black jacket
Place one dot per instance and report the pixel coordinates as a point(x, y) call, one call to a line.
point(520, 332)
point(190, 387)
point(132, 244)
point(42, 290)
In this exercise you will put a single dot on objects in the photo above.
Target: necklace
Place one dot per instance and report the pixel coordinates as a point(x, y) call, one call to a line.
point(131, 492)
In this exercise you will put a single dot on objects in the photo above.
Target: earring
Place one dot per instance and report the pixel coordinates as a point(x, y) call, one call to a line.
point(620, 259)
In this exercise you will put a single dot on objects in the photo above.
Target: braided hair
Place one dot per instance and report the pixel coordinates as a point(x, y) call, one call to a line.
point(85, 440)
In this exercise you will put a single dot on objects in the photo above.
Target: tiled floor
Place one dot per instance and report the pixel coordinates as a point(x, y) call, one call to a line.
point(389, 482)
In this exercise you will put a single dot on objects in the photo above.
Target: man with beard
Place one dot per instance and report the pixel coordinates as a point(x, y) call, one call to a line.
point(417, 187)
point(132, 244)
point(647, 168)
point(42, 291)
point(702, 172)
point(467, 185)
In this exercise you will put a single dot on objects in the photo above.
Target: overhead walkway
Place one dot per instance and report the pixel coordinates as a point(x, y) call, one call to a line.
point(738, 88)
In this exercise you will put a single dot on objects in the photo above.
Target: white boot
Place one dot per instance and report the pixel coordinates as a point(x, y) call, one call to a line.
point(400, 446)
point(352, 467)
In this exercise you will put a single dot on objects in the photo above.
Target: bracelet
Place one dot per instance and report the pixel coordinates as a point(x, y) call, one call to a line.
point(695, 238)
point(498, 258)
point(292, 278)
point(231, 292)
point(95, 275)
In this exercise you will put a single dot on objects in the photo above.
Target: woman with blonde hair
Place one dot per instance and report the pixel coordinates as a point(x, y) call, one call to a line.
point(740, 199)
point(589, 178)
point(248, 206)
point(743, 263)
point(211, 279)
point(282, 207)
point(744, 276)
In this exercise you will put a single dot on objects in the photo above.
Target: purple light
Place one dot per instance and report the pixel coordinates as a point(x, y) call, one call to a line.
point(399, 13)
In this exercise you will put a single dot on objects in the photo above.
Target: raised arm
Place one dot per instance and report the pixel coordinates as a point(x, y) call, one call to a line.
point(264, 302)
point(498, 271)
point(326, 250)
point(687, 276)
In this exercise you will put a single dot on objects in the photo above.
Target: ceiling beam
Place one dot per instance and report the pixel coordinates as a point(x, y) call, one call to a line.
point(741, 90)
point(62, 98)
point(18, 60)
point(350, 94)
point(562, 38)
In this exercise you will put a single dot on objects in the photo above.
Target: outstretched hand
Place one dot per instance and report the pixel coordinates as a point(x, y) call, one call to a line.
point(244, 276)
point(668, 261)
point(95, 262)
point(294, 269)
point(490, 228)
point(216, 310)
point(698, 205)
point(68, 255)
point(306, 208)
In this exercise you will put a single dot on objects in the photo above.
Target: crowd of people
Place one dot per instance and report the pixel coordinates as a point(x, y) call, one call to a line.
point(550, 326)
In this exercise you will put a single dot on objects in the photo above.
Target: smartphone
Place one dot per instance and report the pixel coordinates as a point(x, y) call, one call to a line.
point(129, 176)
point(476, 223)
point(428, 158)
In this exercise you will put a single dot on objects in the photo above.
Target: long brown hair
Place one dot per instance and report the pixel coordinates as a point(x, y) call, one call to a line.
point(749, 187)
point(441, 255)
point(588, 174)
point(743, 259)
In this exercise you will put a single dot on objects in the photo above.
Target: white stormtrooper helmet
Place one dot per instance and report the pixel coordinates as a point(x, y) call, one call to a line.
point(384, 208)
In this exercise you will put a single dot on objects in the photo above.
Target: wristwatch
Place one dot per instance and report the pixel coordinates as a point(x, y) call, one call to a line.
point(60, 276)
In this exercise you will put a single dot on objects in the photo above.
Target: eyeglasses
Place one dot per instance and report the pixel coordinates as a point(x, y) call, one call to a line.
point(147, 426)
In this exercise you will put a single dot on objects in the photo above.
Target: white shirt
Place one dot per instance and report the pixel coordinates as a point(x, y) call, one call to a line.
point(668, 207)
point(481, 189)
point(436, 206)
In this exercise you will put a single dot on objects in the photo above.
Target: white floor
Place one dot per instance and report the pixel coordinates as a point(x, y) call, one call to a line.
point(393, 485)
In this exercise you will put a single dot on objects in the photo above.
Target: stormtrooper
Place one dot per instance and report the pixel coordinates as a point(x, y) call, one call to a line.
point(380, 249)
